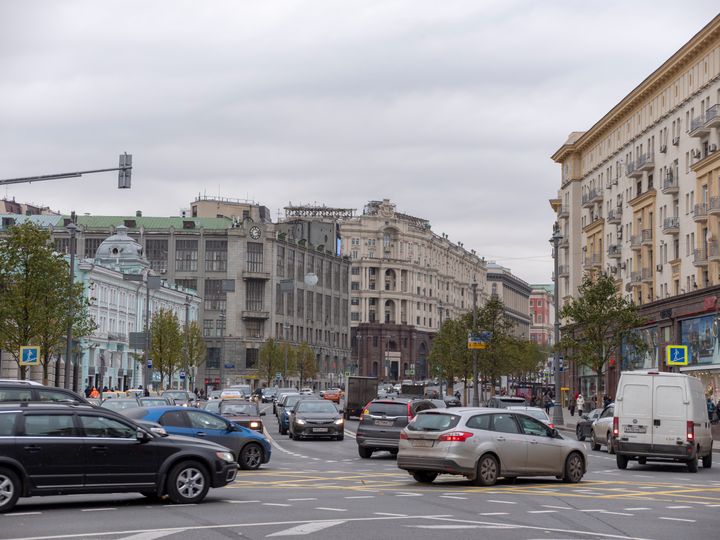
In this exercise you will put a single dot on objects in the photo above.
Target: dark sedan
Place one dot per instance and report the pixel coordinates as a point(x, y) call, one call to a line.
point(245, 413)
point(316, 418)
point(584, 426)
point(250, 448)
point(452, 401)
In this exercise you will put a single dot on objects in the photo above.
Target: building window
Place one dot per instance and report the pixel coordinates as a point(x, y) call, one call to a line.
point(375, 341)
point(355, 286)
point(187, 283)
point(62, 245)
point(251, 358)
point(355, 302)
point(309, 302)
point(216, 255)
point(281, 261)
point(300, 267)
point(212, 360)
point(215, 298)
point(92, 245)
point(278, 300)
point(355, 316)
point(291, 263)
point(254, 293)
point(355, 271)
point(254, 257)
point(254, 329)
point(186, 255)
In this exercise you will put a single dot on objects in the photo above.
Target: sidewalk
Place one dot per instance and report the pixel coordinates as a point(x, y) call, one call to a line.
point(570, 423)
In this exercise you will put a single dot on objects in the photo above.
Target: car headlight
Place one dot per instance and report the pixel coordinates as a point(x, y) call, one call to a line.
point(225, 456)
point(339, 421)
point(254, 425)
point(300, 421)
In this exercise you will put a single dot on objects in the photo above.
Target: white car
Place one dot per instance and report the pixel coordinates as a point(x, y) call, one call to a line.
point(535, 412)
point(601, 434)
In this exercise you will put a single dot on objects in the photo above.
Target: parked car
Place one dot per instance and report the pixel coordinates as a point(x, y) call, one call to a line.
point(244, 413)
point(120, 404)
point(503, 402)
point(382, 421)
point(18, 391)
point(584, 426)
point(214, 394)
point(284, 410)
point(484, 444)
point(279, 396)
point(84, 449)
point(452, 401)
point(316, 418)
point(232, 393)
point(156, 401)
point(268, 394)
point(601, 432)
point(661, 416)
point(333, 394)
point(306, 391)
point(181, 397)
point(535, 412)
point(250, 448)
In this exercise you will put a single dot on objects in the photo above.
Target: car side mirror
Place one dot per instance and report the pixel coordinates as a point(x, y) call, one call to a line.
point(142, 435)
point(555, 434)
point(231, 427)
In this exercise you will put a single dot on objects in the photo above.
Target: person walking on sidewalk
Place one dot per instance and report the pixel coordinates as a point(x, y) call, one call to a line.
point(571, 406)
point(580, 402)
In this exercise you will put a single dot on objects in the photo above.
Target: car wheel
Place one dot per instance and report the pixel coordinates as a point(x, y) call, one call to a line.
point(622, 461)
point(610, 447)
point(188, 483)
point(579, 434)
point(364, 453)
point(251, 457)
point(642, 461)
point(488, 470)
point(692, 464)
point(574, 468)
point(9, 489)
point(707, 460)
point(593, 442)
point(424, 477)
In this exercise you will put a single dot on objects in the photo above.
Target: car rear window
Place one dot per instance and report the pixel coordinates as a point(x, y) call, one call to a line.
point(433, 421)
point(380, 408)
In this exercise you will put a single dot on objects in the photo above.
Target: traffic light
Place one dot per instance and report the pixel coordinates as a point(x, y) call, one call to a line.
point(125, 171)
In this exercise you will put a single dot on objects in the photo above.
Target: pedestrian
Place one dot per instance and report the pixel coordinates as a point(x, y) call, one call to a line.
point(533, 401)
point(606, 400)
point(580, 402)
point(710, 409)
point(571, 405)
point(94, 393)
point(547, 403)
point(87, 391)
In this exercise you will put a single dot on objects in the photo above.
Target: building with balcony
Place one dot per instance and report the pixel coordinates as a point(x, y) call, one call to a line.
point(514, 293)
point(542, 314)
point(659, 148)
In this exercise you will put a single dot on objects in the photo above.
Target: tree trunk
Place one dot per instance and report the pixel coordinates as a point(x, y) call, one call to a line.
point(598, 399)
point(45, 371)
point(23, 372)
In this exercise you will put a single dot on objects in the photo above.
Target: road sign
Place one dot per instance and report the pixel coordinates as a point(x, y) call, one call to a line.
point(479, 340)
point(278, 375)
point(137, 340)
point(182, 375)
point(30, 356)
point(677, 355)
point(149, 363)
point(347, 374)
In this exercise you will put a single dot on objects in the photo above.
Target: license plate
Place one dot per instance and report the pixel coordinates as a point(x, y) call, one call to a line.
point(320, 430)
point(421, 443)
point(384, 422)
point(634, 429)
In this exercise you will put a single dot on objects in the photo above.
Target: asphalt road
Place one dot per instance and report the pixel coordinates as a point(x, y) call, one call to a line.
point(322, 489)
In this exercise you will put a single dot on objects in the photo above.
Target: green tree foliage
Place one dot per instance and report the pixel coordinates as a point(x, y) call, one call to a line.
point(270, 360)
point(449, 354)
point(599, 319)
point(35, 296)
point(194, 346)
point(166, 343)
point(288, 363)
point(305, 362)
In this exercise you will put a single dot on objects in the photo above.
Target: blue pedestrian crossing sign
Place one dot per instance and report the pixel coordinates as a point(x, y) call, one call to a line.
point(30, 356)
point(677, 355)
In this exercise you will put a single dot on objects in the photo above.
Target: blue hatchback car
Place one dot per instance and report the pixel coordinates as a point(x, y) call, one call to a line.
point(250, 448)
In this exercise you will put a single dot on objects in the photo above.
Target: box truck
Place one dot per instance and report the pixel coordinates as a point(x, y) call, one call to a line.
point(359, 392)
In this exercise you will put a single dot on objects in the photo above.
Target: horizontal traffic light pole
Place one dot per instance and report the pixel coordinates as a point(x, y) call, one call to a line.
point(124, 174)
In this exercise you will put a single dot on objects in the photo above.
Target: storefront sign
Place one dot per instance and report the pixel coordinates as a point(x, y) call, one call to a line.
point(700, 335)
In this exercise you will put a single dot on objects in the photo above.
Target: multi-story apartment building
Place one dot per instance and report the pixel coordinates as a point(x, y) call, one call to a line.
point(405, 279)
point(251, 277)
point(514, 294)
point(542, 314)
point(640, 198)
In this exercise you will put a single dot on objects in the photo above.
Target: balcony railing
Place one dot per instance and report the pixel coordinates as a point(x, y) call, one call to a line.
point(614, 251)
point(700, 257)
point(635, 241)
point(671, 225)
point(698, 127)
point(615, 215)
point(670, 184)
point(564, 211)
point(713, 251)
point(713, 206)
point(712, 116)
point(645, 162)
point(635, 278)
point(647, 237)
point(700, 212)
point(647, 275)
point(591, 197)
point(564, 270)
point(633, 170)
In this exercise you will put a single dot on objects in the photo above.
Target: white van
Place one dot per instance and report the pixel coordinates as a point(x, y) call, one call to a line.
point(661, 416)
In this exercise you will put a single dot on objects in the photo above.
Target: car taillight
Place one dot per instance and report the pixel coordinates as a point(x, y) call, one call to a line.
point(455, 436)
point(616, 426)
point(551, 426)
point(403, 435)
point(410, 414)
point(690, 430)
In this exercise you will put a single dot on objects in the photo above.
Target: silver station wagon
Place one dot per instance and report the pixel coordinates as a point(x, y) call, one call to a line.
point(484, 444)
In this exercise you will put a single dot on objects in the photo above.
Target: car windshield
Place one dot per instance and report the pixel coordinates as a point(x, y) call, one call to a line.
point(537, 413)
point(182, 396)
point(433, 422)
point(382, 408)
point(247, 409)
point(153, 402)
point(316, 407)
point(291, 401)
point(513, 400)
point(119, 404)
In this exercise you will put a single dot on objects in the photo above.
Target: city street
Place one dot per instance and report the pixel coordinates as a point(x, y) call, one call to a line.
point(321, 488)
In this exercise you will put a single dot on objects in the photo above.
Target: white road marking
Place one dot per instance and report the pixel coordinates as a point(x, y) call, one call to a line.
point(331, 509)
point(408, 494)
point(502, 502)
point(636, 509)
point(306, 528)
point(556, 507)
point(23, 514)
point(239, 502)
point(276, 504)
point(678, 519)
point(677, 507)
point(305, 499)
point(542, 511)
point(389, 515)
point(452, 497)
point(97, 509)
point(178, 505)
point(457, 527)
point(493, 514)
point(599, 511)
point(152, 535)
point(361, 497)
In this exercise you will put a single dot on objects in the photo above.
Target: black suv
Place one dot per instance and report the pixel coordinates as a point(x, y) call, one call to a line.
point(57, 449)
point(382, 420)
point(19, 391)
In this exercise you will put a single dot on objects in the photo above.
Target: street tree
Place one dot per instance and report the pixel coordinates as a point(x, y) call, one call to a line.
point(305, 362)
point(288, 364)
point(598, 321)
point(35, 296)
point(270, 360)
point(194, 346)
point(449, 353)
point(166, 343)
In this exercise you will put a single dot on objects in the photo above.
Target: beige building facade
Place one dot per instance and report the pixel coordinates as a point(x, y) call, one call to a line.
point(639, 199)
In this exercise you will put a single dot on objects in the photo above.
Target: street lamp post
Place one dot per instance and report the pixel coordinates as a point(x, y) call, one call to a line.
point(440, 309)
point(286, 327)
point(558, 419)
point(72, 229)
point(476, 396)
point(222, 350)
point(187, 348)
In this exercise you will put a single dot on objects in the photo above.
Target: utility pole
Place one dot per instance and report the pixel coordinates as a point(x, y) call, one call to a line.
point(476, 396)
point(72, 229)
point(558, 419)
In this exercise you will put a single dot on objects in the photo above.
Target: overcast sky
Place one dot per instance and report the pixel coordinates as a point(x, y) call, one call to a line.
point(449, 108)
